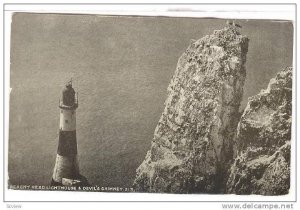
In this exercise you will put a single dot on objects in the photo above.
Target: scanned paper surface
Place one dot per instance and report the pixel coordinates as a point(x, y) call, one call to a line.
point(150, 104)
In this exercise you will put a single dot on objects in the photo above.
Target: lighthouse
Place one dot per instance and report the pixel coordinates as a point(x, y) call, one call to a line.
point(66, 169)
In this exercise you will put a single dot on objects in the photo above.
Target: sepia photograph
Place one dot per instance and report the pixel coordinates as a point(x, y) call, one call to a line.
point(150, 104)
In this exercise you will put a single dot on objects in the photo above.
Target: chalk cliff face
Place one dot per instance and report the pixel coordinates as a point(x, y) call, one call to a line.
point(262, 165)
point(193, 141)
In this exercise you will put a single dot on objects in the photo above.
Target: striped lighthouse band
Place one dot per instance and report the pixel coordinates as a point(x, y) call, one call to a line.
point(67, 143)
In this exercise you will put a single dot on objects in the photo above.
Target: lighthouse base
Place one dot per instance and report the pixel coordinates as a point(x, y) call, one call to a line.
point(66, 172)
point(54, 183)
point(65, 167)
point(81, 181)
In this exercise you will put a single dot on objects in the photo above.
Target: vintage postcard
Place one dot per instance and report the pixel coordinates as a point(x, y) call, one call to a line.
point(151, 104)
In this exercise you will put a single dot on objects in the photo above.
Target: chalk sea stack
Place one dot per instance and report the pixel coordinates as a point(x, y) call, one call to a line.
point(262, 165)
point(192, 147)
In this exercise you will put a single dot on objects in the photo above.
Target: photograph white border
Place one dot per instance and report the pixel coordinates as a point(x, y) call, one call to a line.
point(251, 11)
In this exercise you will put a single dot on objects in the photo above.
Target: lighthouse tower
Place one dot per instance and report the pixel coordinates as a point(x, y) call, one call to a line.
point(66, 165)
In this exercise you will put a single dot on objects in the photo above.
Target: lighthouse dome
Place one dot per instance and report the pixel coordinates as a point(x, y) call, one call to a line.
point(68, 95)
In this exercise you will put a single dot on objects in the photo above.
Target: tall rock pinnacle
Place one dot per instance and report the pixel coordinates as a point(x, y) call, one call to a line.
point(193, 141)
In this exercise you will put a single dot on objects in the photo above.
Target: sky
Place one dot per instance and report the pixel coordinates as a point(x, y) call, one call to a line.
point(121, 67)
